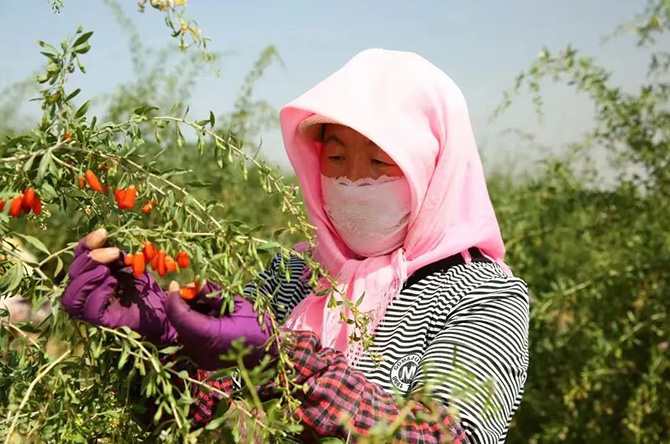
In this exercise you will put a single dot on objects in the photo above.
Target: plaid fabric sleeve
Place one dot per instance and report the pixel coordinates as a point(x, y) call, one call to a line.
point(338, 393)
point(207, 400)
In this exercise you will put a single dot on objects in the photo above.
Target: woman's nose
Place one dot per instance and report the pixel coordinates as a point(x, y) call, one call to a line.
point(358, 169)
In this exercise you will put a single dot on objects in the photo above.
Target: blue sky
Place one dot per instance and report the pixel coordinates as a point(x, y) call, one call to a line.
point(482, 45)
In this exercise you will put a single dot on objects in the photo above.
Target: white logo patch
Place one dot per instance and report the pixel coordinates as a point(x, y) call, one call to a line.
point(403, 371)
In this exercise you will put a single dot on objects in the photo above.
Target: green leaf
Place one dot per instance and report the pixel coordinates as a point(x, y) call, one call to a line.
point(82, 110)
point(215, 423)
point(47, 47)
point(44, 164)
point(268, 246)
point(52, 57)
point(180, 137)
point(198, 184)
point(124, 357)
point(211, 119)
point(174, 108)
point(170, 350)
point(27, 327)
point(201, 144)
point(59, 265)
point(73, 94)
point(83, 38)
point(81, 66)
point(12, 278)
point(144, 110)
point(48, 189)
point(29, 163)
point(35, 242)
point(81, 49)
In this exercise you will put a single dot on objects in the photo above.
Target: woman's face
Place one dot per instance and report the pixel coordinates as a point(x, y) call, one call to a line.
point(348, 153)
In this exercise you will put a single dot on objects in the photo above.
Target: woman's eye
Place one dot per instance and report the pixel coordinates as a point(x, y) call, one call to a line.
point(336, 158)
point(380, 162)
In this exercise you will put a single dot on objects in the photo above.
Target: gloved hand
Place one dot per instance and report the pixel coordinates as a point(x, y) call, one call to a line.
point(206, 335)
point(103, 291)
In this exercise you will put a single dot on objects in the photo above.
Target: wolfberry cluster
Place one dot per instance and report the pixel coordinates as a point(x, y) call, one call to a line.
point(159, 261)
point(125, 197)
point(28, 201)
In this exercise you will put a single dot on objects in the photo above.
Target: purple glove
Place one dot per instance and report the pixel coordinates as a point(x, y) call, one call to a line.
point(206, 335)
point(109, 295)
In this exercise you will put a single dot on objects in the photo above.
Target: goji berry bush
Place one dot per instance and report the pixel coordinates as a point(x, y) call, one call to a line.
point(67, 381)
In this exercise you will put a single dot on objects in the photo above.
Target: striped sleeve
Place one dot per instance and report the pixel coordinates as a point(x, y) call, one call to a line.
point(478, 361)
point(283, 282)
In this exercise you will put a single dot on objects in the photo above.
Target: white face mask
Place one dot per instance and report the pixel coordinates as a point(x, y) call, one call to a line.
point(370, 215)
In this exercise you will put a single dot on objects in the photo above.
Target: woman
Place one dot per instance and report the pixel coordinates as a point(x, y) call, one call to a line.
point(392, 180)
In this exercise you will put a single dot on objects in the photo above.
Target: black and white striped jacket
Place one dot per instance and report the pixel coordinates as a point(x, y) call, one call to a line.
point(458, 331)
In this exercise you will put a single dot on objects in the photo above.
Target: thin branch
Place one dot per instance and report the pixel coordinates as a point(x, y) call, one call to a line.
point(29, 391)
point(22, 333)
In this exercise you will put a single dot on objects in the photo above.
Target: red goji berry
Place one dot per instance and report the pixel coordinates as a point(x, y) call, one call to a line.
point(149, 251)
point(119, 195)
point(2, 205)
point(146, 209)
point(81, 182)
point(188, 293)
point(129, 199)
point(105, 189)
point(170, 264)
point(138, 265)
point(67, 136)
point(93, 181)
point(15, 207)
point(37, 206)
point(154, 261)
point(28, 199)
point(129, 259)
point(162, 269)
point(182, 259)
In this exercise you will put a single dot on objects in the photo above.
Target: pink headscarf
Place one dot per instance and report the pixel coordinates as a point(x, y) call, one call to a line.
point(418, 116)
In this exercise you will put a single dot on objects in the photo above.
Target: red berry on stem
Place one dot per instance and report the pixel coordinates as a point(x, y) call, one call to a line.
point(162, 269)
point(149, 251)
point(138, 265)
point(182, 259)
point(129, 199)
point(93, 181)
point(170, 264)
point(29, 197)
point(129, 259)
point(37, 206)
point(15, 207)
point(188, 293)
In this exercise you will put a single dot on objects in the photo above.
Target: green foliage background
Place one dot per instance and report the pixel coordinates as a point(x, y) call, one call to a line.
point(593, 245)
